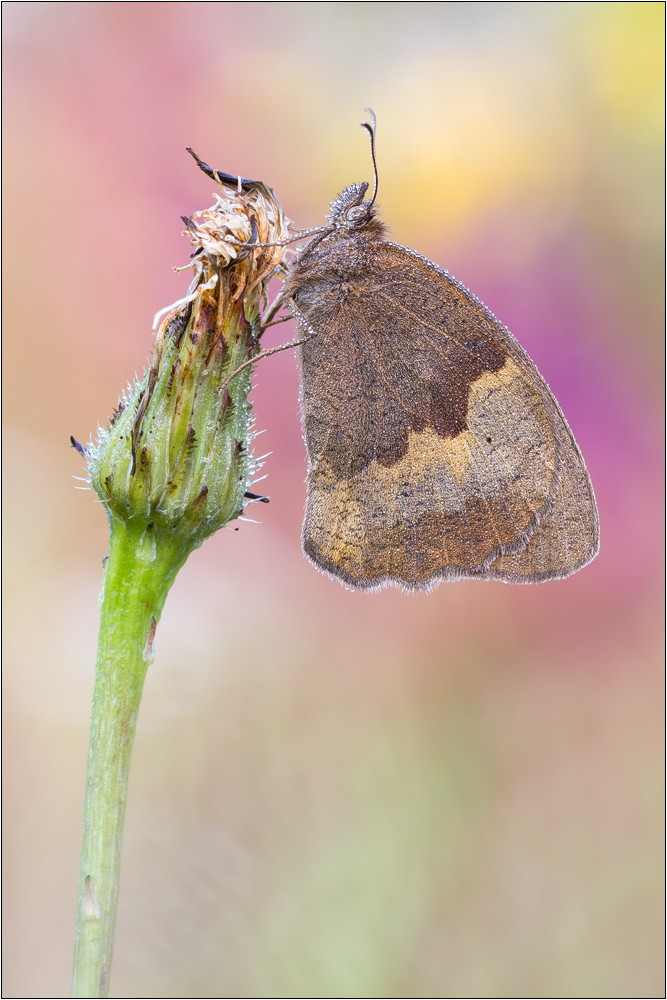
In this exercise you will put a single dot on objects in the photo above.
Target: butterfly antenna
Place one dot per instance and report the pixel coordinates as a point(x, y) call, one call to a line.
point(371, 129)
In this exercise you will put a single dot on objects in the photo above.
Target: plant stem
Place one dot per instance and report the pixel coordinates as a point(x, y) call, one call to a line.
point(140, 569)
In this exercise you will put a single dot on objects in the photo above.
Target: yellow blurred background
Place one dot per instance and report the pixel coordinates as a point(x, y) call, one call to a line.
point(454, 794)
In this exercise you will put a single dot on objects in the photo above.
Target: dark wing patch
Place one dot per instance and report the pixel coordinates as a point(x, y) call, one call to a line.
point(381, 367)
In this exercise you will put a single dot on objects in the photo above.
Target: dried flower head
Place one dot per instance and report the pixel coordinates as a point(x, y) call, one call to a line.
point(176, 453)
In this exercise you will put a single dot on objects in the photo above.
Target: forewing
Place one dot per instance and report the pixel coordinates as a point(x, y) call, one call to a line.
point(436, 449)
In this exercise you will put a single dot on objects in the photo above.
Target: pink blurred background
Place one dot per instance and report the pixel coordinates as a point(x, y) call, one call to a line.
point(340, 795)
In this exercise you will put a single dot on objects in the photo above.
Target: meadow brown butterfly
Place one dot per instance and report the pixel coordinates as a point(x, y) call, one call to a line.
point(436, 450)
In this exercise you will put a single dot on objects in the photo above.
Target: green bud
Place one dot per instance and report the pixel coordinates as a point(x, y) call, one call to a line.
point(176, 455)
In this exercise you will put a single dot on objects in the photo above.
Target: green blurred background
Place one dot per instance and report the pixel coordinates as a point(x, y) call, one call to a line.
point(454, 794)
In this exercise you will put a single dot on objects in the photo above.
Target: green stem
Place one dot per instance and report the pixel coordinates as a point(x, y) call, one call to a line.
point(141, 568)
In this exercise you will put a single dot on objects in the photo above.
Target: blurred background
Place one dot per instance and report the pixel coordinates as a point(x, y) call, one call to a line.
point(454, 794)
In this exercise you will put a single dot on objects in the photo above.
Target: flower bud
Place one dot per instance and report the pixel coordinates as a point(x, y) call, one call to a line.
point(175, 456)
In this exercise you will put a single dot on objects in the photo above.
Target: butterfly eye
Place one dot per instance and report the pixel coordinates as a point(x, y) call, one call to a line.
point(357, 212)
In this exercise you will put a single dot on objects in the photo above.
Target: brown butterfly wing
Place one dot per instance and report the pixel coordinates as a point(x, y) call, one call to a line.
point(436, 449)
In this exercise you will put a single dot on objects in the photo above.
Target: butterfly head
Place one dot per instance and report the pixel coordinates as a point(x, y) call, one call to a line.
point(349, 208)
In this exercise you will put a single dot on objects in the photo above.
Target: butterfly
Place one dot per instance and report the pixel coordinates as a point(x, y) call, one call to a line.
point(436, 451)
